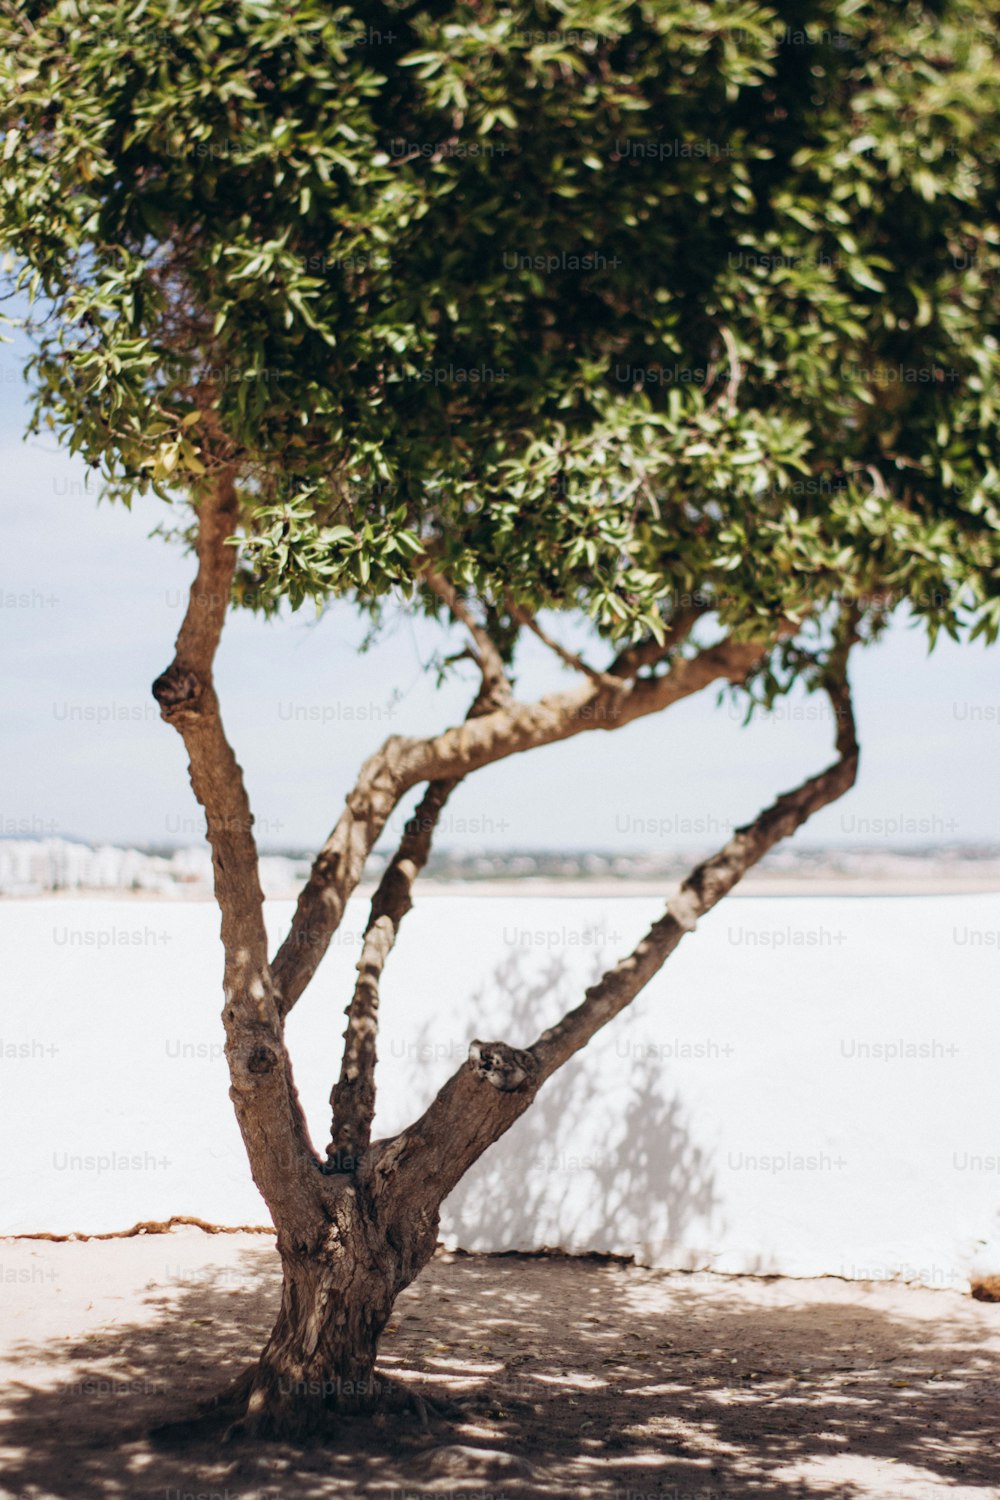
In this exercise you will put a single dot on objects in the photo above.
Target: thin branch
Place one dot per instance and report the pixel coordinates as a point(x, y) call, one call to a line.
point(403, 763)
point(353, 1098)
point(438, 154)
point(727, 398)
point(647, 653)
point(569, 658)
point(488, 658)
point(713, 879)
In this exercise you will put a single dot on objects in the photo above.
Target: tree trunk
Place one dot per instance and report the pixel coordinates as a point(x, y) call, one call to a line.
point(337, 1295)
point(320, 1357)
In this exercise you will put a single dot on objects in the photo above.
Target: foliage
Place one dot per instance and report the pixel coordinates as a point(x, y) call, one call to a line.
point(611, 305)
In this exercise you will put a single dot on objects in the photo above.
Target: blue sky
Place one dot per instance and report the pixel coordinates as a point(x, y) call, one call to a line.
point(89, 606)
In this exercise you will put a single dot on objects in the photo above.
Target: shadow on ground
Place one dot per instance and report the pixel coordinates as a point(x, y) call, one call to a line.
point(577, 1378)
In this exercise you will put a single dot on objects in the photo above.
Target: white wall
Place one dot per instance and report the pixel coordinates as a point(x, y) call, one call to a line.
point(729, 1119)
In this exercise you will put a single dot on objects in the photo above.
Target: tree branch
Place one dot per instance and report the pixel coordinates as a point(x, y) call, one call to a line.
point(647, 653)
point(713, 879)
point(489, 1092)
point(263, 1092)
point(403, 763)
point(727, 398)
point(568, 658)
point(496, 684)
point(352, 1100)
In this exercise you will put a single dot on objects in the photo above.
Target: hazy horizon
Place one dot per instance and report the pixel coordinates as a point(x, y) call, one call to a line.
point(969, 849)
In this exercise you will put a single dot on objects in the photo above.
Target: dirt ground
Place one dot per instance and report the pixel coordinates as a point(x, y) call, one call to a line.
point(577, 1378)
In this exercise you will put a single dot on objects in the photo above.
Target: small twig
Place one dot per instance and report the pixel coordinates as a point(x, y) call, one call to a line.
point(728, 396)
point(491, 664)
point(569, 658)
point(647, 653)
point(436, 155)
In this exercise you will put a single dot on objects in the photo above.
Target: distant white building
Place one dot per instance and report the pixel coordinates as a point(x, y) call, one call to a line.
point(34, 867)
point(31, 867)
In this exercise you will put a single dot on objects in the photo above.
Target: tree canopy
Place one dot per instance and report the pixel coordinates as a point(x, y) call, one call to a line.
point(609, 305)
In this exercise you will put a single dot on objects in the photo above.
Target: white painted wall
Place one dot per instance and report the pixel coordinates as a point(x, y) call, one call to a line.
point(729, 1119)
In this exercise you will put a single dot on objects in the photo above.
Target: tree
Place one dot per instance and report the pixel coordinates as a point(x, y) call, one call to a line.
point(459, 309)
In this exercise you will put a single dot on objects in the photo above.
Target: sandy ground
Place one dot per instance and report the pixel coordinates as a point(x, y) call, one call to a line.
point(578, 1378)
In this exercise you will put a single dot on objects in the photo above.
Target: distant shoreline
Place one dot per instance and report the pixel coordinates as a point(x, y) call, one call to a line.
point(599, 888)
point(70, 870)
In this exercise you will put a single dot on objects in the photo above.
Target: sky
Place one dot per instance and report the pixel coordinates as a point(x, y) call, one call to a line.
point(90, 604)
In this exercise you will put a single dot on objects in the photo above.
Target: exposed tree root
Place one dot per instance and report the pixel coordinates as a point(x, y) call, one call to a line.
point(227, 1417)
point(152, 1226)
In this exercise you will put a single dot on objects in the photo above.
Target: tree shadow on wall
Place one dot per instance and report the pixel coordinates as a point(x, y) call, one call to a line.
point(585, 1168)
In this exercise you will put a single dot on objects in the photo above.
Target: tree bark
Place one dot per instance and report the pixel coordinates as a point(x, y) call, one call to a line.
point(284, 1164)
point(352, 1101)
point(338, 1291)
